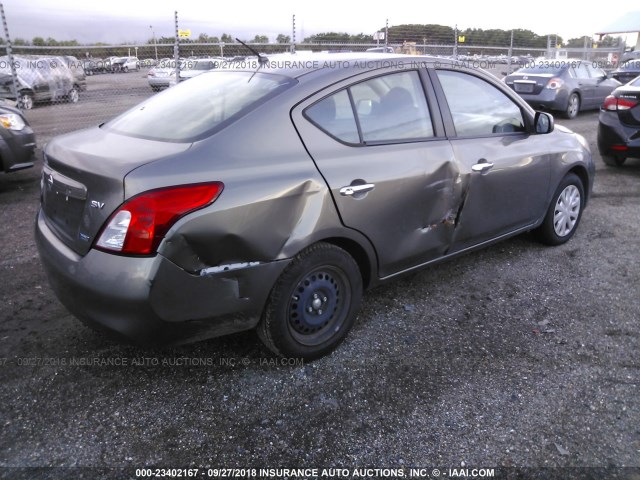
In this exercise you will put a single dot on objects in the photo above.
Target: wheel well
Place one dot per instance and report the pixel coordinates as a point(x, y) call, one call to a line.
point(584, 178)
point(359, 255)
point(577, 94)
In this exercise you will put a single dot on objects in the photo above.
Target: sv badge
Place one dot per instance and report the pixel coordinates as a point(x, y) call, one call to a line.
point(97, 204)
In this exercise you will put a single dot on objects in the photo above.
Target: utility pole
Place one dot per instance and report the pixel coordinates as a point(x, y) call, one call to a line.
point(176, 50)
point(510, 54)
point(386, 33)
point(292, 49)
point(455, 42)
point(155, 43)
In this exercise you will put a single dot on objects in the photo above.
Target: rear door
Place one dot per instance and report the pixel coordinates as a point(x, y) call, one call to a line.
point(507, 168)
point(603, 85)
point(586, 85)
point(391, 171)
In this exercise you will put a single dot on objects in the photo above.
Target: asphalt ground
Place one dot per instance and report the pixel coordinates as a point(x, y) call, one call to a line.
point(520, 357)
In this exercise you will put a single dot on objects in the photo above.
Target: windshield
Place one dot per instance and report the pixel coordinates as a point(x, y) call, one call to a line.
point(194, 109)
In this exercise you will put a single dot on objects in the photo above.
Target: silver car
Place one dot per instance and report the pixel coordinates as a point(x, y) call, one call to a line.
point(194, 67)
point(271, 199)
point(163, 75)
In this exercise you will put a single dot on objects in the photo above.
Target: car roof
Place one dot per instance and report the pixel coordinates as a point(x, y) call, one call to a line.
point(299, 64)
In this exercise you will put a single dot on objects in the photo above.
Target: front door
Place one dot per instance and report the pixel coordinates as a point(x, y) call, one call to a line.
point(507, 168)
point(393, 177)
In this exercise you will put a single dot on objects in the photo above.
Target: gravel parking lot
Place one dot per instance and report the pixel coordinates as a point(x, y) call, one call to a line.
point(518, 356)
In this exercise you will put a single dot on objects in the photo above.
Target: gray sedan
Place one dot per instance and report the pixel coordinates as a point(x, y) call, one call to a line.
point(567, 86)
point(270, 199)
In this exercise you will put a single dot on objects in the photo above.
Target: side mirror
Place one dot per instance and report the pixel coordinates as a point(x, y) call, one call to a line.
point(543, 122)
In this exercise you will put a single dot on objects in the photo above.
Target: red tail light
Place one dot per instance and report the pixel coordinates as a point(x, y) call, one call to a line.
point(619, 103)
point(555, 83)
point(140, 224)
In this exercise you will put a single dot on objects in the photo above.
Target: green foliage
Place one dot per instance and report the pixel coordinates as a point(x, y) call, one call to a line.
point(343, 37)
point(608, 41)
point(429, 34)
point(260, 39)
point(282, 38)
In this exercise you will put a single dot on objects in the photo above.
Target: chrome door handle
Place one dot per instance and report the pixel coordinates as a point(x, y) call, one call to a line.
point(353, 189)
point(482, 167)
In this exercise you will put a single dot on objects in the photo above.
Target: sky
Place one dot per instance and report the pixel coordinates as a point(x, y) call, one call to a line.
point(129, 21)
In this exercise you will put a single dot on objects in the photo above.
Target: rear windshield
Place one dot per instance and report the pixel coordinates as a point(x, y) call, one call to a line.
point(199, 106)
point(551, 68)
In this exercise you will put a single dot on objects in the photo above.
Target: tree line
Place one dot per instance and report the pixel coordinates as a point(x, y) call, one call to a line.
point(428, 34)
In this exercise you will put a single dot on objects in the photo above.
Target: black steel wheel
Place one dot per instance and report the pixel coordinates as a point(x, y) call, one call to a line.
point(313, 304)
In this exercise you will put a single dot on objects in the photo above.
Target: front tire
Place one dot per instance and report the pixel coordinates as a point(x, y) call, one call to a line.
point(573, 106)
point(565, 211)
point(73, 95)
point(313, 304)
point(25, 101)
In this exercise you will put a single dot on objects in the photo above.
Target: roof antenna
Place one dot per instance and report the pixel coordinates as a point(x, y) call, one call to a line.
point(262, 60)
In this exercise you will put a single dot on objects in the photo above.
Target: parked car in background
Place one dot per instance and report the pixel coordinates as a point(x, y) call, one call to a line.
point(108, 64)
point(92, 66)
point(17, 140)
point(194, 67)
point(627, 71)
point(566, 86)
point(163, 75)
point(185, 218)
point(125, 64)
point(77, 69)
point(148, 62)
point(619, 124)
point(631, 55)
point(380, 50)
point(40, 79)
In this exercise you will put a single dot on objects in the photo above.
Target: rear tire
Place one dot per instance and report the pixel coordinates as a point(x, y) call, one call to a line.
point(564, 213)
point(613, 161)
point(573, 106)
point(313, 304)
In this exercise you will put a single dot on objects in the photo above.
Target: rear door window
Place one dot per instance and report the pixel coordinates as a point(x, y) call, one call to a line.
point(384, 109)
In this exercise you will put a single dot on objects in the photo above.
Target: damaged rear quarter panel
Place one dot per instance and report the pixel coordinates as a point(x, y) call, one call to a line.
point(274, 202)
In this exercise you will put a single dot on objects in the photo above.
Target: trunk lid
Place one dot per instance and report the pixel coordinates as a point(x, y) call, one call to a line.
point(630, 95)
point(528, 84)
point(83, 180)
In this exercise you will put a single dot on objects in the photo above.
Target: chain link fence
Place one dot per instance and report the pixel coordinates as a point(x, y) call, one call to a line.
point(65, 88)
